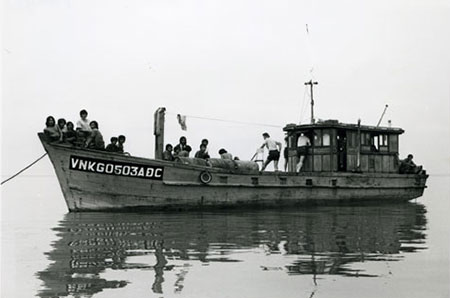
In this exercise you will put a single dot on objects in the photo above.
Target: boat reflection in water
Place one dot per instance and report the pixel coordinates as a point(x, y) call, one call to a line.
point(311, 241)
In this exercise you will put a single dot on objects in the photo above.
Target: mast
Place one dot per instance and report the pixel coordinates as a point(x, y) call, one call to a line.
point(158, 131)
point(382, 115)
point(311, 84)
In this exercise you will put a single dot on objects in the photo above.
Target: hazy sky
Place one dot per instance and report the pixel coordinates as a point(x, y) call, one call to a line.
point(238, 60)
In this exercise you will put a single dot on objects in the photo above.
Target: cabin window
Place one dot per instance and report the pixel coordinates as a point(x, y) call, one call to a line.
point(325, 139)
point(318, 138)
point(309, 182)
point(365, 138)
point(376, 141)
point(384, 140)
point(255, 180)
point(283, 180)
point(374, 144)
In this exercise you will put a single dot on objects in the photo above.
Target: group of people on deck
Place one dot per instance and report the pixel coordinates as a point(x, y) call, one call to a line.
point(274, 148)
point(183, 150)
point(86, 134)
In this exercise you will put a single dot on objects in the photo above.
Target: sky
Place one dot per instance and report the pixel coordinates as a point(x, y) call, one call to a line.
point(244, 61)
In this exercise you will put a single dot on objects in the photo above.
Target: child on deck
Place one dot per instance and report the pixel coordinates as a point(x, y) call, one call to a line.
point(225, 155)
point(95, 139)
point(176, 152)
point(113, 146)
point(122, 140)
point(70, 136)
point(50, 130)
point(202, 152)
point(167, 154)
point(62, 128)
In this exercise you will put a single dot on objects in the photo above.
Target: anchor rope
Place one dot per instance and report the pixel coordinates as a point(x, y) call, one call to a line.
point(24, 169)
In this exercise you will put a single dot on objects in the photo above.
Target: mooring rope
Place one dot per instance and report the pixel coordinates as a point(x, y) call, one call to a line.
point(24, 169)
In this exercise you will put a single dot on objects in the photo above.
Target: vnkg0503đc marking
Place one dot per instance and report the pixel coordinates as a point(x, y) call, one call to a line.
point(116, 168)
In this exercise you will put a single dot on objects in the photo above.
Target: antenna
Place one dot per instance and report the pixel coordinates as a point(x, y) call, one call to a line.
point(382, 115)
point(311, 83)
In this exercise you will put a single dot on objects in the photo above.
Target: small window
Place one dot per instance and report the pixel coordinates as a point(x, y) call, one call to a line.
point(365, 138)
point(223, 179)
point(376, 141)
point(309, 182)
point(283, 180)
point(384, 140)
point(317, 138)
point(326, 139)
point(334, 182)
point(255, 180)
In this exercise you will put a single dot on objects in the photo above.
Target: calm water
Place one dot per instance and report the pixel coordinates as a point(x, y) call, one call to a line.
point(348, 251)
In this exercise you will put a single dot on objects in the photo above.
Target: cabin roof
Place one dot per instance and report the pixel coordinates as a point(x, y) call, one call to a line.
point(337, 125)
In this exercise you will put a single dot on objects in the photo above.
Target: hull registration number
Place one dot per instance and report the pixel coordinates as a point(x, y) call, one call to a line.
point(116, 168)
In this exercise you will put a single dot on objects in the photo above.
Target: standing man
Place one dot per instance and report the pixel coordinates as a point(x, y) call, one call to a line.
point(303, 143)
point(274, 148)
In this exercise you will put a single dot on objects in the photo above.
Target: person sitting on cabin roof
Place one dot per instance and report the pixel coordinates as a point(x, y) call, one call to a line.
point(274, 148)
point(184, 148)
point(407, 166)
point(95, 139)
point(202, 152)
point(167, 154)
point(51, 130)
point(112, 147)
point(225, 155)
point(303, 143)
point(70, 136)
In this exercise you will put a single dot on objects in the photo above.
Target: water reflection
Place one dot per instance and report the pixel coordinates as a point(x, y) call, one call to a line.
point(313, 241)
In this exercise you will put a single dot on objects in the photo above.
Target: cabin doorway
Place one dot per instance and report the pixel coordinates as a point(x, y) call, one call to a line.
point(342, 150)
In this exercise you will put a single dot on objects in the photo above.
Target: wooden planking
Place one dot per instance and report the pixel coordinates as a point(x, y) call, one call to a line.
point(351, 162)
point(393, 143)
point(317, 163)
point(385, 163)
point(364, 163)
point(326, 163)
point(378, 163)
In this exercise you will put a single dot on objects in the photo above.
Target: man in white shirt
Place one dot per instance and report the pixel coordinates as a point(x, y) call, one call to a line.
point(303, 143)
point(274, 148)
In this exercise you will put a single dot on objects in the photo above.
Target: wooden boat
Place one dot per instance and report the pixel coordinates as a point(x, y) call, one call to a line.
point(337, 168)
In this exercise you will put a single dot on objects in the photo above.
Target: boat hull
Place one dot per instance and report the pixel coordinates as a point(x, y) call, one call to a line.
point(90, 182)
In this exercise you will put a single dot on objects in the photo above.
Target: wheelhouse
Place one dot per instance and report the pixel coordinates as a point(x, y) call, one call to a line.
point(339, 147)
